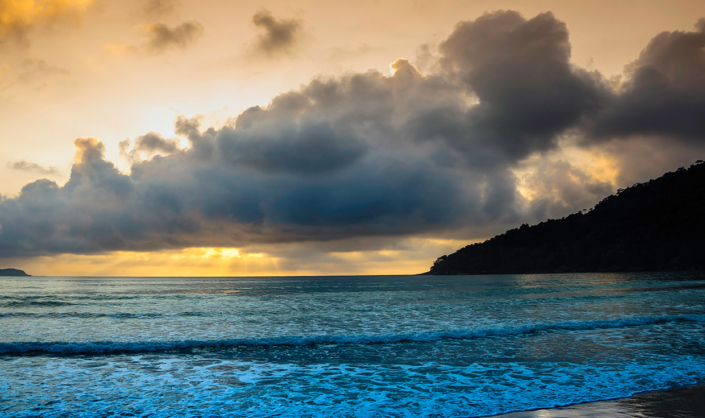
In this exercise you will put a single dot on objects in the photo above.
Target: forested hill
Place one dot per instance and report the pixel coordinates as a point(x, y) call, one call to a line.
point(659, 225)
point(12, 272)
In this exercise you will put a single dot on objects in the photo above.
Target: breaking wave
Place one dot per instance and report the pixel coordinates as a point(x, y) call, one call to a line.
point(116, 347)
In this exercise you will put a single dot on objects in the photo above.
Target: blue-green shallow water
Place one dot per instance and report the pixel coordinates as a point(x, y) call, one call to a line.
point(400, 346)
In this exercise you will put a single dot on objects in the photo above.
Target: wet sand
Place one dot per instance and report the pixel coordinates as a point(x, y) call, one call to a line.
point(684, 402)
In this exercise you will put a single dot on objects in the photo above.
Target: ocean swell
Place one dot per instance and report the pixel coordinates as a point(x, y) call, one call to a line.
point(117, 347)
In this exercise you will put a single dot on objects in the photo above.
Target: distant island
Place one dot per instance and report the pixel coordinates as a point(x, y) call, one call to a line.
point(13, 272)
point(654, 226)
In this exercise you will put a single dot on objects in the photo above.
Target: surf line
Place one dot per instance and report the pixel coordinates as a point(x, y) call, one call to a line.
point(118, 347)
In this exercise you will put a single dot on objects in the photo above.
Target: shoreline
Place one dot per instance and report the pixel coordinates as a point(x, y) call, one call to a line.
point(680, 402)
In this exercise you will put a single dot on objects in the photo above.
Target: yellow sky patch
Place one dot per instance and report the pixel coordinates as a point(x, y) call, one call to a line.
point(186, 262)
point(14, 13)
point(414, 256)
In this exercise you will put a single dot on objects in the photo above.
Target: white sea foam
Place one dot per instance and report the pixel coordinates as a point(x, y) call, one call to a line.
point(164, 387)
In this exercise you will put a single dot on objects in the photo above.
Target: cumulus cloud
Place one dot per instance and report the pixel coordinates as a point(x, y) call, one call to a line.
point(351, 158)
point(19, 17)
point(519, 70)
point(277, 35)
point(186, 200)
point(161, 37)
point(148, 145)
point(664, 94)
point(309, 148)
point(558, 188)
point(23, 165)
point(643, 158)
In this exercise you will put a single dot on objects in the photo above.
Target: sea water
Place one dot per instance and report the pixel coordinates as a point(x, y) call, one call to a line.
point(373, 346)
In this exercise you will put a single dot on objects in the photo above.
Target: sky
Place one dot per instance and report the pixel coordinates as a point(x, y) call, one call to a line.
point(180, 137)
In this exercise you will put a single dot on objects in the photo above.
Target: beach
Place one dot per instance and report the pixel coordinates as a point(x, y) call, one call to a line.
point(683, 402)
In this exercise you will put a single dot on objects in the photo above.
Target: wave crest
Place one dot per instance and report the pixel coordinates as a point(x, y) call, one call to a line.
point(118, 347)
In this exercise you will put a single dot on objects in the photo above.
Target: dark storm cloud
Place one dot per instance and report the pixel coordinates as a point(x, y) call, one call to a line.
point(560, 188)
point(202, 143)
point(311, 148)
point(364, 155)
point(664, 94)
point(646, 161)
point(162, 37)
point(519, 70)
point(183, 200)
point(153, 142)
point(149, 144)
point(278, 35)
point(28, 166)
point(323, 163)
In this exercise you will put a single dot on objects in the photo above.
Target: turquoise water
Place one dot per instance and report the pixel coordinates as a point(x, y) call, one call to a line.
point(400, 346)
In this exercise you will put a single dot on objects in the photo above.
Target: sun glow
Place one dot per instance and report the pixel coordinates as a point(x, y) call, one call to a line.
point(392, 68)
point(225, 253)
point(412, 256)
point(195, 261)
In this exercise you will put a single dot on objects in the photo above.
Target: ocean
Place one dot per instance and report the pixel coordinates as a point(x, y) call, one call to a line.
point(367, 346)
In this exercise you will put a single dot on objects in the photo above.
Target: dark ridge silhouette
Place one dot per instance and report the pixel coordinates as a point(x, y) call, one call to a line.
point(13, 272)
point(653, 226)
